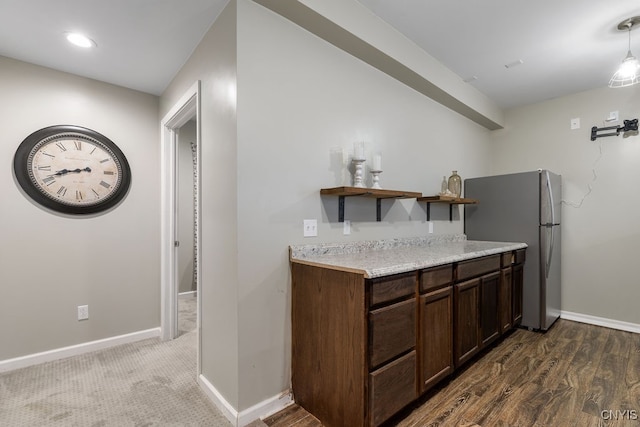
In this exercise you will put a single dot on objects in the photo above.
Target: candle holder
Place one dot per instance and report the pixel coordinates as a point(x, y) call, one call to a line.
point(358, 174)
point(376, 179)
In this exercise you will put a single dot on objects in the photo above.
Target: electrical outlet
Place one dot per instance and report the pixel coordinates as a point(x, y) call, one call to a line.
point(346, 227)
point(310, 227)
point(83, 312)
point(430, 227)
point(575, 123)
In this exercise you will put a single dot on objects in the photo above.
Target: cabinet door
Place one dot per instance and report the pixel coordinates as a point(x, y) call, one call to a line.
point(466, 322)
point(436, 337)
point(506, 316)
point(518, 280)
point(489, 321)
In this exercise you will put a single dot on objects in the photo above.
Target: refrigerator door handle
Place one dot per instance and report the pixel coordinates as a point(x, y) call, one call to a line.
point(550, 225)
point(550, 195)
point(550, 251)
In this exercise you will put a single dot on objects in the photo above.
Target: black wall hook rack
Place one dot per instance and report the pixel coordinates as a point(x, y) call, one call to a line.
point(629, 126)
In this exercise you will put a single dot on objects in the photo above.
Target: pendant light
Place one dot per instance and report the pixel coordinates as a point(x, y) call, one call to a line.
point(629, 72)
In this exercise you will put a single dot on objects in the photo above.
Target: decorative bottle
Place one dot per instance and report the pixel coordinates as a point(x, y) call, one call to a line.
point(455, 184)
point(444, 186)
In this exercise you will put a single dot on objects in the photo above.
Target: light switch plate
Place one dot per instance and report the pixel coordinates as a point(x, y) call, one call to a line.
point(310, 227)
point(346, 227)
point(430, 227)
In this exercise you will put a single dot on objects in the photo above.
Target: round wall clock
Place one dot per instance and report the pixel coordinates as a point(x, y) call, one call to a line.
point(71, 169)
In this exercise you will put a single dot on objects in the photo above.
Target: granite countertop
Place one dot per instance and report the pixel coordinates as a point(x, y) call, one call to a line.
point(384, 257)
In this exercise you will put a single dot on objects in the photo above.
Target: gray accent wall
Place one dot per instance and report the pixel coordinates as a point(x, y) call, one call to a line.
point(51, 263)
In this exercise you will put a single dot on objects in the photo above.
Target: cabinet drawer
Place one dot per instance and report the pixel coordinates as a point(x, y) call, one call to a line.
point(391, 388)
point(391, 288)
point(477, 267)
point(520, 256)
point(436, 277)
point(392, 331)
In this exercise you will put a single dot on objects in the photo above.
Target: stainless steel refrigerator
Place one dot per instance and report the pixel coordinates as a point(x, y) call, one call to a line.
point(523, 207)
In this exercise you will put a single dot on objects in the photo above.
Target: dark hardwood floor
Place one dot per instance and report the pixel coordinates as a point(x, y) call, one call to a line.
point(573, 375)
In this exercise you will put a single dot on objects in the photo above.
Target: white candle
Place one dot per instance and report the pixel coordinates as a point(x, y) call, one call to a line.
point(358, 150)
point(377, 162)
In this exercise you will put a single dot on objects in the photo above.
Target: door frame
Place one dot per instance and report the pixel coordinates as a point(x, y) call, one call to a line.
point(187, 107)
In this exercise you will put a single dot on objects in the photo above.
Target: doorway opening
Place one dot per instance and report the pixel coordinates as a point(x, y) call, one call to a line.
point(187, 226)
point(183, 119)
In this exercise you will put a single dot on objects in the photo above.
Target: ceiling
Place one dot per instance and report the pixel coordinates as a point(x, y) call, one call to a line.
point(141, 44)
point(565, 46)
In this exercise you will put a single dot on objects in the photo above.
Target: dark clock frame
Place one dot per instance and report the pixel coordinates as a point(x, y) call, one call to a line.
point(21, 169)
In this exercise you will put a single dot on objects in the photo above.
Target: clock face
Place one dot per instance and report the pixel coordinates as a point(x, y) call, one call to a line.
point(72, 169)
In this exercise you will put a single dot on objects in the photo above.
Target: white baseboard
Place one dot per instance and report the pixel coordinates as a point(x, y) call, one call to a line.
point(188, 294)
point(75, 350)
point(265, 408)
point(601, 321)
point(239, 419)
point(221, 403)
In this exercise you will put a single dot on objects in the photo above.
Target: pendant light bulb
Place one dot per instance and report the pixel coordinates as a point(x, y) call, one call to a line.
point(629, 66)
point(628, 73)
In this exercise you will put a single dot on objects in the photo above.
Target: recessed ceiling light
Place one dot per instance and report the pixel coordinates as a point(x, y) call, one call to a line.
point(80, 40)
point(514, 63)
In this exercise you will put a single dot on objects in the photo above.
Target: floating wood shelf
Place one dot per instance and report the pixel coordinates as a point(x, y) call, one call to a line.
point(371, 193)
point(445, 200)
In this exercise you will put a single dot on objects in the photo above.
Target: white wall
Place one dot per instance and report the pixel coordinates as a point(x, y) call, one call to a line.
point(600, 227)
point(214, 64)
point(49, 263)
point(300, 101)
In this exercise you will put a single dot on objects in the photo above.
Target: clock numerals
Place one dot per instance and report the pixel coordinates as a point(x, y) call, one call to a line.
point(47, 154)
point(61, 146)
point(104, 160)
point(96, 193)
point(78, 145)
point(105, 184)
point(109, 172)
point(48, 180)
point(94, 149)
point(62, 191)
point(44, 168)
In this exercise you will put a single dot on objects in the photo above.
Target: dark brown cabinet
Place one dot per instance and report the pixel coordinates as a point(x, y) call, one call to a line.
point(467, 302)
point(489, 319)
point(391, 345)
point(363, 349)
point(506, 301)
point(436, 333)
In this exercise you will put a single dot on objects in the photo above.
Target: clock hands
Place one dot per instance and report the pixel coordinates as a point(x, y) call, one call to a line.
point(66, 171)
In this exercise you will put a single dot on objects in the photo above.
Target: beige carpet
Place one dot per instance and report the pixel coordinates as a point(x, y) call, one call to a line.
point(148, 383)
